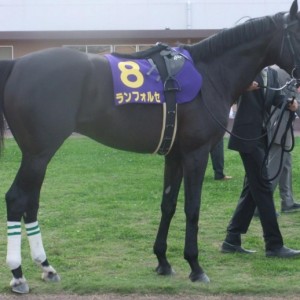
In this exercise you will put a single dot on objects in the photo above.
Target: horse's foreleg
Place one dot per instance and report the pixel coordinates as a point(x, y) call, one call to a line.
point(194, 170)
point(172, 181)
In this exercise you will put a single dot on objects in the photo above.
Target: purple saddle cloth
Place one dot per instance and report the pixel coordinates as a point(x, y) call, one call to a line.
point(138, 81)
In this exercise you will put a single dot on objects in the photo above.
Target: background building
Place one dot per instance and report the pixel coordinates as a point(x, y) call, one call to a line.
point(101, 26)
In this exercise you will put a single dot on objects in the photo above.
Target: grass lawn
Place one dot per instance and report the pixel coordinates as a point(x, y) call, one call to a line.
point(99, 213)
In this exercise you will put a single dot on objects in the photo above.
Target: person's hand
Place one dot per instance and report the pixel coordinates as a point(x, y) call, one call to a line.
point(293, 105)
point(253, 86)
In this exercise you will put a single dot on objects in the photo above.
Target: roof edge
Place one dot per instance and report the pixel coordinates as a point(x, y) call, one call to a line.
point(108, 34)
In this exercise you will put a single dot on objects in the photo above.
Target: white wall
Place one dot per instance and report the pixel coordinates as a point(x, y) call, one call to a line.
point(27, 15)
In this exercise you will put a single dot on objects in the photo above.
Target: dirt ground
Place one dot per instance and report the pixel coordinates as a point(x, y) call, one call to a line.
point(142, 297)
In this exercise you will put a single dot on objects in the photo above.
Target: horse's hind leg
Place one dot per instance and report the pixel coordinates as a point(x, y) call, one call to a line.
point(172, 181)
point(22, 201)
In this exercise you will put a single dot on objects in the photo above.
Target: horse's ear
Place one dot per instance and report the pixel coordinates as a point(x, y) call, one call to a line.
point(294, 10)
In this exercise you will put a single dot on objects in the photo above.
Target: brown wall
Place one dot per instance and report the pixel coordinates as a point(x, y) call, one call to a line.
point(21, 48)
point(26, 42)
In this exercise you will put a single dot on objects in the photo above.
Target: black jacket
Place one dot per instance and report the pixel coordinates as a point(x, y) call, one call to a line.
point(253, 110)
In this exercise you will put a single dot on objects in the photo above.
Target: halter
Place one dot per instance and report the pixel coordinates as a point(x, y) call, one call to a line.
point(289, 36)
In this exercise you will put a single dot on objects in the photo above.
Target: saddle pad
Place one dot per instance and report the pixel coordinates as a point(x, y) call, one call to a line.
point(138, 81)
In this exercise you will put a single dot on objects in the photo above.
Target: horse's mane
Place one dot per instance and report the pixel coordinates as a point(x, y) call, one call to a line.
point(228, 38)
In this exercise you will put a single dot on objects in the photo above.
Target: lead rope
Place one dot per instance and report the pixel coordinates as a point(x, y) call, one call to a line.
point(289, 126)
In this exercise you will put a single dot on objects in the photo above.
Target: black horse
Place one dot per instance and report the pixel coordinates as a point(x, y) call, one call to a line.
point(47, 95)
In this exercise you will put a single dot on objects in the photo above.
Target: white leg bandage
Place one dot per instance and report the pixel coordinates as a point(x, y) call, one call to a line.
point(13, 258)
point(35, 242)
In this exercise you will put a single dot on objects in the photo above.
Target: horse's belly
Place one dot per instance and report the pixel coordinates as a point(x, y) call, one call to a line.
point(133, 127)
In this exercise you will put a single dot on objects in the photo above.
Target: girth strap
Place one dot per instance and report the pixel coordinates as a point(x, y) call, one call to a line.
point(162, 61)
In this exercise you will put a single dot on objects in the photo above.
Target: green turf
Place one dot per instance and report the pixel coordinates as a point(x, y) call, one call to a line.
point(99, 213)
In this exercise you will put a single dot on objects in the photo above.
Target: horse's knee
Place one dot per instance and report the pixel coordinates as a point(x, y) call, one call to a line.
point(192, 215)
point(168, 205)
point(168, 208)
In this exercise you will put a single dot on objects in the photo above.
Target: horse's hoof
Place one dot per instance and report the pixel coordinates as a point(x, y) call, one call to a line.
point(19, 286)
point(50, 277)
point(165, 271)
point(202, 277)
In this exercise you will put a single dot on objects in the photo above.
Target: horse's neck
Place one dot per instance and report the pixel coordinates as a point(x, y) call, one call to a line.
point(233, 58)
point(237, 68)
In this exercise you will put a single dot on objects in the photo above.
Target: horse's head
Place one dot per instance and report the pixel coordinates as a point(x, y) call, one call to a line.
point(289, 55)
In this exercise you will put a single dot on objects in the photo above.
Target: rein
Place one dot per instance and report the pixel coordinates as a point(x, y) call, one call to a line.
point(277, 122)
point(223, 127)
point(294, 80)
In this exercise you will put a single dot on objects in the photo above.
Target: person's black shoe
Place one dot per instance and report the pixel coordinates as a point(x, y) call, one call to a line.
point(289, 209)
point(229, 248)
point(283, 252)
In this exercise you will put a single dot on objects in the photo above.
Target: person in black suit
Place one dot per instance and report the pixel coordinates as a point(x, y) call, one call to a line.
point(284, 178)
point(250, 122)
point(217, 160)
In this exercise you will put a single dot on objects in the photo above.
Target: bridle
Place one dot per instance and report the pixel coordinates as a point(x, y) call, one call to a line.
point(289, 38)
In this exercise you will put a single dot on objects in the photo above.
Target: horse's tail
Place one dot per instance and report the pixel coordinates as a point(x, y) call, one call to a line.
point(5, 69)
